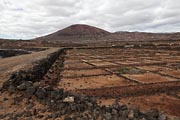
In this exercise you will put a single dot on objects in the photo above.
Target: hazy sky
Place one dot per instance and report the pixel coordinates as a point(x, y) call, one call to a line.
point(31, 18)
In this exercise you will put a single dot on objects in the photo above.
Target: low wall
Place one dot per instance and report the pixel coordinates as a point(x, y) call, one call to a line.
point(9, 53)
point(33, 74)
point(132, 90)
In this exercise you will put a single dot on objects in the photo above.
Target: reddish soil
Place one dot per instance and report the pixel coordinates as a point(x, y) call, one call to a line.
point(103, 63)
point(178, 94)
point(93, 60)
point(159, 77)
point(175, 73)
point(81, 73)
point(150, 61)
point(17, 103)
point(162, 102)
point(93, 82)
point(127, 62)
point(152, 68)
point(71, 61)
point(76, 57)
point(77, 65)
point(149, 78)
point(133, 90)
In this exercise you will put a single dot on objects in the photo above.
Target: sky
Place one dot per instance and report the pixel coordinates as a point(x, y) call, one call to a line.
point(27, 19)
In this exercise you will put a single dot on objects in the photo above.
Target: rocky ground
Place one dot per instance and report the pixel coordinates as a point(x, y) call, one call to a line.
point(26, 99)
point(32, 102)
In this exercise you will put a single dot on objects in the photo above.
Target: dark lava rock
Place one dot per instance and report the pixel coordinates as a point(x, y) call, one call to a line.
point(2, 116)
point(52, 94)
point(162, 117)
point(55, 115)
point(36, 84)
point(89, 104)
point(123, 107)
point(11, 89)
point(29, 106)
point(60, 91)
point(30, 91)
point(135, 111)
point(1, 87)
point(48, 117)
point(35, 112)
point(131, 114)
point(152, 114)
point(114, 111)
point(27, 114)
point(24, 85)
point(41, 93)
point(48, 88)
point(108, 116)
point(40, 116)
point(124, 113)
point(67, 118)
point(18, 115)
point(5, 99)
point(43, 110)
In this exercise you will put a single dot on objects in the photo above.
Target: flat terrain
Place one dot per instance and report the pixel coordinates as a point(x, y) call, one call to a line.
point(145, 77)
point(140, 77)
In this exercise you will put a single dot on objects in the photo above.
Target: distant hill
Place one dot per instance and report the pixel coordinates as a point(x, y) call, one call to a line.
point(74, 32)
point(144, 36)
point(82, 34)
point(81, 30)
point(85, 35)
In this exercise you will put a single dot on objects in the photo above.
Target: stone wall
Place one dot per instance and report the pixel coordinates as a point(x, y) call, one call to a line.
point(34, 73)
point(9, 53)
